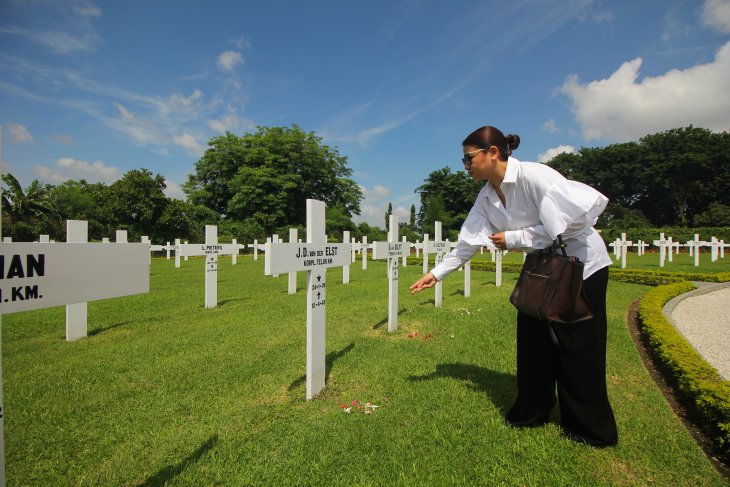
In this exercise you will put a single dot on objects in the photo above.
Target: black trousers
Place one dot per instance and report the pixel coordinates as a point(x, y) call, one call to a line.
point(576, 364)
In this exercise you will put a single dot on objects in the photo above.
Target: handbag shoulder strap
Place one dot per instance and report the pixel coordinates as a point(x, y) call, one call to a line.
point(561, 245)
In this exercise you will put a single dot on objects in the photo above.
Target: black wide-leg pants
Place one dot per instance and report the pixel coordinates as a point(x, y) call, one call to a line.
point(576, 364)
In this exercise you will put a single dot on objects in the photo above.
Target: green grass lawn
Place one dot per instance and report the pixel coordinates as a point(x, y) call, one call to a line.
point(166, 391)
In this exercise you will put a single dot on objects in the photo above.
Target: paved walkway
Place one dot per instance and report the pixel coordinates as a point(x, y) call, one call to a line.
point(702, 316)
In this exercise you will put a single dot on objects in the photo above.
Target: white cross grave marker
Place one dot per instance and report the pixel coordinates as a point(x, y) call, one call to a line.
point(696, 244)
point(391, 250)
point(662, 244)
point(293, 237)
point(624, 249)
point(255, 249)
point(425, 253)
point(177, 253)
point(211, 249)
point(407, 249)
point(346, 268)
point(364, 252)
point(439, 248)
point(314, 257)
point(77, 231)
point(715, 245)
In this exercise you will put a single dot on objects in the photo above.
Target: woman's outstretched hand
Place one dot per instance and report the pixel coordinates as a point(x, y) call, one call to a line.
point(426, 281)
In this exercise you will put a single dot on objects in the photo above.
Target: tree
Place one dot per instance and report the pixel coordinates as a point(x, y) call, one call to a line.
point(667, 178)
point(412, 220)
point(186, 221)
point(447, 197)
point(387, 215)
point(716, 215)
point(268, 175)
point(26, 213)
point(436, 212)
point(336, 222)
point(136, 202)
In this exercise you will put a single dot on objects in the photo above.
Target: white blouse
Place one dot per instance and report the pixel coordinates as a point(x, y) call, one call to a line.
point(540, 204)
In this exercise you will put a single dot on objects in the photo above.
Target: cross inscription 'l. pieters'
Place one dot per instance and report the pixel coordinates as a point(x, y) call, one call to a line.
point(314, 257)
point(211, 250)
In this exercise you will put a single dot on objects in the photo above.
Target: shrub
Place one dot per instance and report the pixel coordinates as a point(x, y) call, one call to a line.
point(698, 383)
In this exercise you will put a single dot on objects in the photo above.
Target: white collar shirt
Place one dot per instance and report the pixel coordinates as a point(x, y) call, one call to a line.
point(539, 204)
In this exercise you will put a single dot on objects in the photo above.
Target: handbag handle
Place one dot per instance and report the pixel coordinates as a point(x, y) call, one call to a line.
point(558, 244)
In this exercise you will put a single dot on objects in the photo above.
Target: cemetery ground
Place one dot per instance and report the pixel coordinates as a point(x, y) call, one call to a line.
point(164, 390)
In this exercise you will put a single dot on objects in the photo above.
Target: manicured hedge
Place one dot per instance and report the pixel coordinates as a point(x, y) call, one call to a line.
point(697, 381)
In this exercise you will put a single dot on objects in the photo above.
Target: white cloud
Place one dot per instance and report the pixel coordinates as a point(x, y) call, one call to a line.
point(554, 151)
point(180, 103)
point(619, 108)
point(228, 60)
point(551, 127)
point(375, 204)
point(173, 190)
point(142, 131)
point(57, 40)
point(69, 168)
point(188, 142)
point(19, 134)
point(716, 14)
point(379, 191)
point(227, 123)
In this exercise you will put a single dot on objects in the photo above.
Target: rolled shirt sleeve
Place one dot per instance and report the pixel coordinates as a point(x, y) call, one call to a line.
point(458, 256)
point(569, 208)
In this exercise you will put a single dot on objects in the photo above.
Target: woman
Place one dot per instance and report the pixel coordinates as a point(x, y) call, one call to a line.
point(525, 206)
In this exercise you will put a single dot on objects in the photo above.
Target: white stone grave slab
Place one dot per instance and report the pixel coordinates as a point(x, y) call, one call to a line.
point(314, 257)
point(391, 250)
point(364, 252)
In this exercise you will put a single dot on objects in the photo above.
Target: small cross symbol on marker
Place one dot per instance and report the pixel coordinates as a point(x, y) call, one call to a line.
point(319, 278)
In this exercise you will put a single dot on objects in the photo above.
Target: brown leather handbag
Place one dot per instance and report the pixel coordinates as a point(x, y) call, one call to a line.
point(550, 286)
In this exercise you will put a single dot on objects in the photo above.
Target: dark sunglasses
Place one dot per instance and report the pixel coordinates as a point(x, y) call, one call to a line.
point(469, 156)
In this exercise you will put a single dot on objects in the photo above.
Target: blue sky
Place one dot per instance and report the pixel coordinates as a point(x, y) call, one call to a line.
point(92, 89)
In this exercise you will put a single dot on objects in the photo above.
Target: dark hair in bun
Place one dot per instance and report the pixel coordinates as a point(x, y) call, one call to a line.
point(488, 136)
